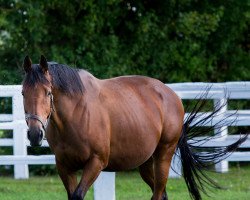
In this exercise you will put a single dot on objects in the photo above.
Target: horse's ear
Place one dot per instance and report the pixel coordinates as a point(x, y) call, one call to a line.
point(27, 64)
point(43, 64)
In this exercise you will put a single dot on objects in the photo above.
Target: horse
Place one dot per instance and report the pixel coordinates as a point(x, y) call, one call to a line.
point(114, 124)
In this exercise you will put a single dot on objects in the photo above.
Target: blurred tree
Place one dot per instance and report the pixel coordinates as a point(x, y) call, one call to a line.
point(172, 40)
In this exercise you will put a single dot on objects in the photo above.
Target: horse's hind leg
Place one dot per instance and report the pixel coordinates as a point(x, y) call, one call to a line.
point(147, 173)
point(162, 161)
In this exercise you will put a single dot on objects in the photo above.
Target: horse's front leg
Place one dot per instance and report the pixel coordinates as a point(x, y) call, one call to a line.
point(69, 179)
point(91, 170)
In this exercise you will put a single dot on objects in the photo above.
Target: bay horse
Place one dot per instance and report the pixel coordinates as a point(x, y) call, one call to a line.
point(115, 124)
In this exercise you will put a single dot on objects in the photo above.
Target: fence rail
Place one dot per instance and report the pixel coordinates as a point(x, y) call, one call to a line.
point(219, 92)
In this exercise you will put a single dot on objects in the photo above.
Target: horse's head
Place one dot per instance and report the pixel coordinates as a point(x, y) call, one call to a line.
point(37, 99)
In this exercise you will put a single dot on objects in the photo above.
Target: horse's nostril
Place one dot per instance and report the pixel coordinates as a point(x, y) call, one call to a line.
point(28, 134)
point(41, 134)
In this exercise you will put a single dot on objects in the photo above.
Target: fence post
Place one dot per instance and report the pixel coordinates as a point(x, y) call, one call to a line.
point(104, 186)
point(19, 135)
point(221, 132)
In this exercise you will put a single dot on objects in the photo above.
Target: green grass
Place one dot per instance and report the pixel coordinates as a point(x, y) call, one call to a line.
point(129, 186)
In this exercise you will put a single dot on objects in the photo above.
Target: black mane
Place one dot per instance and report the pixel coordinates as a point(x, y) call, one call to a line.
point(64, 78)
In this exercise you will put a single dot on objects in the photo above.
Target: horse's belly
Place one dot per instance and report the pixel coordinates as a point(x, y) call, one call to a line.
point(128, 161)
point(132, 152)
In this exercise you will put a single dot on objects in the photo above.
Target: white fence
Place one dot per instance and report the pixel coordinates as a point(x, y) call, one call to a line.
point(218, 93)
point(105, 184)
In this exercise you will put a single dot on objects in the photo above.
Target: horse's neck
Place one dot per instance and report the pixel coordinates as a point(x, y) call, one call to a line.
point(91, 83)
point(66, 109)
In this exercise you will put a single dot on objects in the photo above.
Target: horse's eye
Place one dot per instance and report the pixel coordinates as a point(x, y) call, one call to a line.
point(48, 93)
point(22, 92)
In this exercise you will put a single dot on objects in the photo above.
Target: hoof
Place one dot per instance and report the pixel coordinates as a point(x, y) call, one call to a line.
point(164, 196)
point(76, 196)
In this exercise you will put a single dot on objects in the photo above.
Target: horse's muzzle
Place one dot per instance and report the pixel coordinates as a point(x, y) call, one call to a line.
point(35, 136)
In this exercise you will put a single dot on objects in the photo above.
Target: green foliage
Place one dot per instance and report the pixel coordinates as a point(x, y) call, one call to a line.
point(5, 105)
point(171, 40)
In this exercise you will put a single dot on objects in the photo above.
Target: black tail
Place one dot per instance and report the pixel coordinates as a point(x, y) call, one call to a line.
point(193, 158)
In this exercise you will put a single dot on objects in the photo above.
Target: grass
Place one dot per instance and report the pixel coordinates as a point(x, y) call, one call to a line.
point(129, 186)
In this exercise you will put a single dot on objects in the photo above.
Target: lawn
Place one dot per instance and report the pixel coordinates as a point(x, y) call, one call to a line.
point(129, 186)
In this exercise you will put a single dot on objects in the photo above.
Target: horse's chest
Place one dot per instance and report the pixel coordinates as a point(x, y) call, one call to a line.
point(71, 156)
